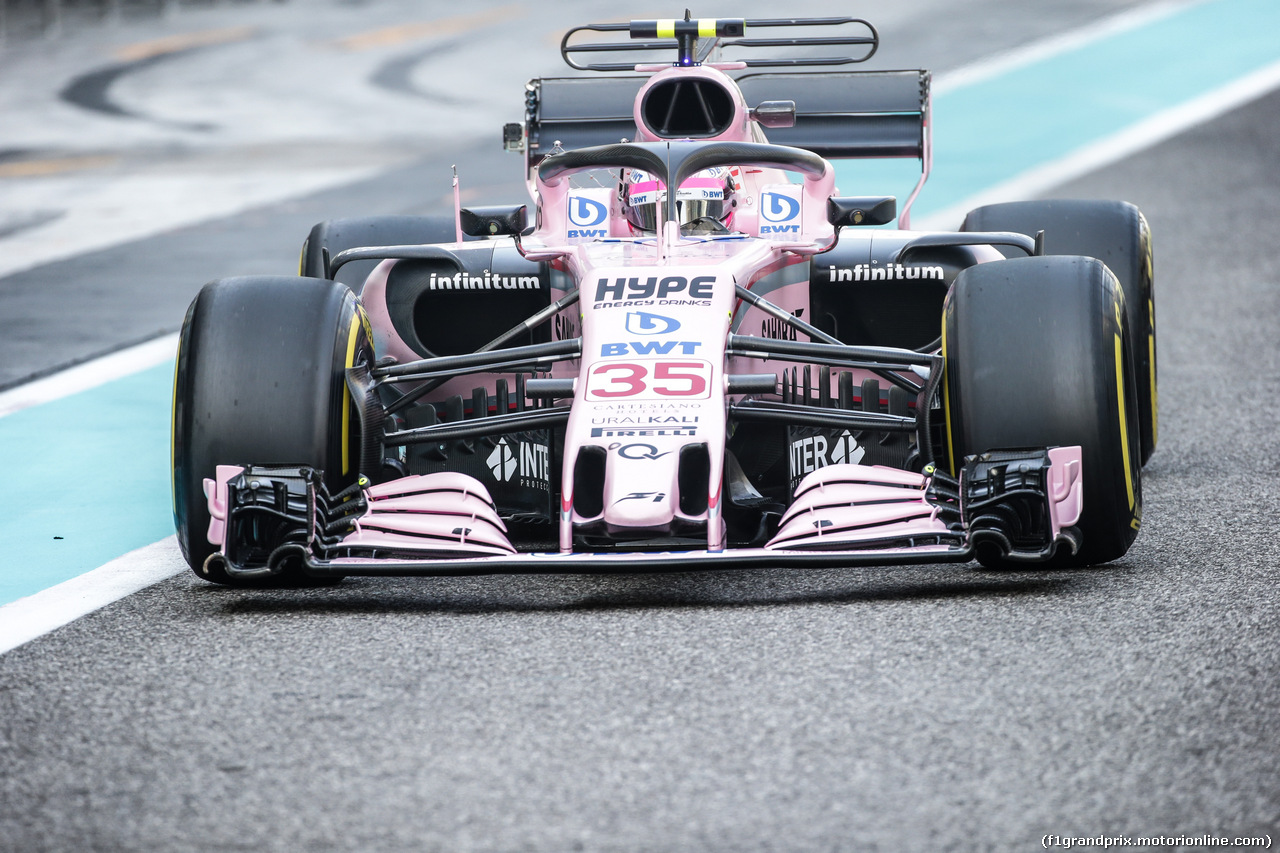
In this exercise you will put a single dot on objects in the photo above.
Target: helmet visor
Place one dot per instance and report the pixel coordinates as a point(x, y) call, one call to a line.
point(701, 196)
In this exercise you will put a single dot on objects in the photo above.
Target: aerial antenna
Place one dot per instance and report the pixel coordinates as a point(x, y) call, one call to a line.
point(687, 41)
point(457, 205)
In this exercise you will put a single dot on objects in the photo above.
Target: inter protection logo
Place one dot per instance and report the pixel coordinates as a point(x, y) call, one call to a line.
point(502, 462)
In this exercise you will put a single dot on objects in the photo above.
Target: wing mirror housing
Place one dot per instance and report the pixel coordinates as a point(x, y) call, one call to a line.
point(861, 210)
point(495, 221)
point(775, 113)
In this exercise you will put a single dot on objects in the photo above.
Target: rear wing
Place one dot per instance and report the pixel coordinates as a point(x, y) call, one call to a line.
point(839, 115)
point(849, 114)
point(575, 112)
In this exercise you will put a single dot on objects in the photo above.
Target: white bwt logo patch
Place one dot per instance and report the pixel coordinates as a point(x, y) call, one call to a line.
point(775, 207)
point(586, 212)
point(780, 211)
point(588, 215)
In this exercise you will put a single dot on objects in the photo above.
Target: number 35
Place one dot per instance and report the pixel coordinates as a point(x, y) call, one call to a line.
point(611, 380)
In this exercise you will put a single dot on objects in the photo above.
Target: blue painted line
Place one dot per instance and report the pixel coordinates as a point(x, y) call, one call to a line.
point(86, 479)
point(996, 129)
point(94, 468)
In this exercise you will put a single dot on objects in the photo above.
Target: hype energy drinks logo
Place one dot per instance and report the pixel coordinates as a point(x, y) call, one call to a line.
point(780, 211)
point(588, 215)
point(642, 291)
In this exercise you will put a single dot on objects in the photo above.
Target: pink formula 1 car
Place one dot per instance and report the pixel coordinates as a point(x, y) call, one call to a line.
point(688, 352)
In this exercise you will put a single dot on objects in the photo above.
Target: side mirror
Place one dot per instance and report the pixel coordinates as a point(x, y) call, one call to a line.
point(775, 113)
point(497, 221)
point(862, 210)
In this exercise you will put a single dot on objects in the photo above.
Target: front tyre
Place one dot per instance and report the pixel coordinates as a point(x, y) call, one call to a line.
point(260, 378)
point(1038, 354)
point(1116, 233)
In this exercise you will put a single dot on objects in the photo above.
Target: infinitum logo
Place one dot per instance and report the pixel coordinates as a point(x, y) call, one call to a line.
point(485, 281)
point(888, 272)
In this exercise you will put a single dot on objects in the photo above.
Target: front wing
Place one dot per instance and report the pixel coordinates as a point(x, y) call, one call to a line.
point(1019, 505)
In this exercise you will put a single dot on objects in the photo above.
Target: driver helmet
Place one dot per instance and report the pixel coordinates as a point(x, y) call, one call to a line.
point(706, 195)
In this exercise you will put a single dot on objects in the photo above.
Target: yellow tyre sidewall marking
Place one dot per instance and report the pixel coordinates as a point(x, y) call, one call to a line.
point(1151, 355)
point(946, 400)
point(1124, 423)
point(1149, 263)
point(353, 335)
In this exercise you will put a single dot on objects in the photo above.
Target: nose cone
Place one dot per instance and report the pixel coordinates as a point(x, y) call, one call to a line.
point(640, 490)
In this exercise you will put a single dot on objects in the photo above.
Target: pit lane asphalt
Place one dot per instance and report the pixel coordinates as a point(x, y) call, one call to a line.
point(898, 709)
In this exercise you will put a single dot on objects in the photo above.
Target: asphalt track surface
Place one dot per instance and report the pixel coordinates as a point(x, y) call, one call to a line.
point(923, 708)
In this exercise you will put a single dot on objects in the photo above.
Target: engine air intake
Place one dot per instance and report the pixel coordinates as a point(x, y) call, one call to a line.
point(689, 108)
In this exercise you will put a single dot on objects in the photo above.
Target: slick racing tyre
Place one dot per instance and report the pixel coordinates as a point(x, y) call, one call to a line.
point(1116, 233)
point(329, 238)
point(1038, 354)
point(260, 379)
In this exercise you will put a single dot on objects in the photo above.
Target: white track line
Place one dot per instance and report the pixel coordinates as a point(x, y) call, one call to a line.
point(1138, 137)
point(90, 374)
point(27, 618)
point(1020, 57)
